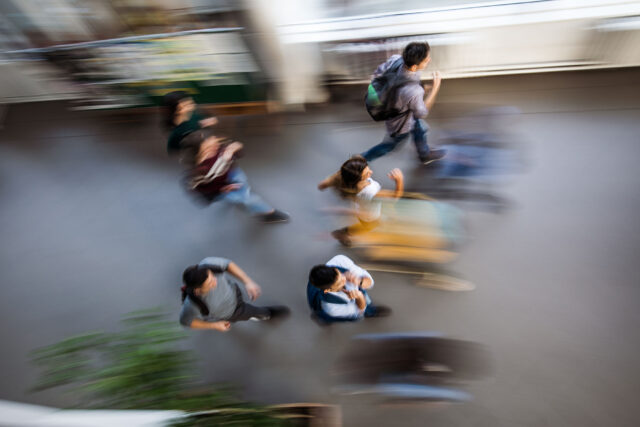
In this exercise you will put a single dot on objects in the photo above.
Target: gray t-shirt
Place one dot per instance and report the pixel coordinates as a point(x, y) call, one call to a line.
point(221, 300)
point(409, 97)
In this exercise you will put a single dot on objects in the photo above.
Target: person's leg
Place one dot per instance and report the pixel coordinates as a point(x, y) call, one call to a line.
point(343, 235)
point(243, 196)
point(362, 226)
point(425, 154)
point(375, 310)
point(388, 144)
point(246, 311)
point(419, 134)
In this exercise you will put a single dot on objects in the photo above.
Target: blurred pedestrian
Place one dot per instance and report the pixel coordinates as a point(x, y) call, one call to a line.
point(214, 175)
point(338, 291)
point(212, 299)
point(182, 118)
point(354, 182)
point(407, 102)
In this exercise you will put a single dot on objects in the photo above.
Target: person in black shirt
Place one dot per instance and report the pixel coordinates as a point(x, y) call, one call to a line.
point(182, 118)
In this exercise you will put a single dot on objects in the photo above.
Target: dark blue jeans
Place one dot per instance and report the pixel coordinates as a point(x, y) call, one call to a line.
point(390, 143)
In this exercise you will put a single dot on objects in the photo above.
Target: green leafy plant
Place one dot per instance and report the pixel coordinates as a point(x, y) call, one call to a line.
point(142, 367)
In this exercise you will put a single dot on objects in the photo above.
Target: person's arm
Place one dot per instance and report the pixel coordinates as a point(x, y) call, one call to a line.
point(232, 149)
point(430, 98)
point(253, 290)
point(358, 296)
point(207, 122)
point(359, 277)
point(362, 281)
point(330, 181)
point(222, 325)
point(397, 176)
point(365, 282)
point(190, 318)
point(355, 274)
point(217, 263)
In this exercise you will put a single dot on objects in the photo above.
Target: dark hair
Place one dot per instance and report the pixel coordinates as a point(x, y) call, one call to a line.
point(414, 53)
point(322, 276)
point(193, 278)
point(170, 102)
point(351, 172)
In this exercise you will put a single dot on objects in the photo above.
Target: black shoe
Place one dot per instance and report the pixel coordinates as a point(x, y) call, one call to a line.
point(377, 311)
point(275, 216)
point(279, 312)
point(434, 154)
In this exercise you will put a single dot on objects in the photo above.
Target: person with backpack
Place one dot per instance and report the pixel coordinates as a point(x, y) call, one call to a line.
point(338, 291)
point(214, 176)
point(396, 96)
point(211, 296)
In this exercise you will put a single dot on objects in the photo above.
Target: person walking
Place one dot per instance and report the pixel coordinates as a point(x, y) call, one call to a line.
point(212, 299)
point(411, 100)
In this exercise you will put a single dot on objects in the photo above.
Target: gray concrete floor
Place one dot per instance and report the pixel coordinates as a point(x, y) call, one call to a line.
point(94, 225)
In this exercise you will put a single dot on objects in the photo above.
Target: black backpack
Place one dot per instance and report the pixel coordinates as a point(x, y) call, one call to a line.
point(382, 93)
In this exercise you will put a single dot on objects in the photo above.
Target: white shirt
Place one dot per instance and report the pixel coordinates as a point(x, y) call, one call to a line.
point(368, 208)
point(350, 309)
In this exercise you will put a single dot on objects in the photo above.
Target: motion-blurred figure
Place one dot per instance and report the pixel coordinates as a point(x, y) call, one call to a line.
point(214, 176)
point(338, 291)
point(482, 151)
point(405, 101)
point(410, 366)
point(211, 296)
point(181, 118)
point(393, 226)
point(353, 181)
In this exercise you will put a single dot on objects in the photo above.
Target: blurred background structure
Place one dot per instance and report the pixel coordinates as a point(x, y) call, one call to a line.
point(129, 52)
point(539, 107)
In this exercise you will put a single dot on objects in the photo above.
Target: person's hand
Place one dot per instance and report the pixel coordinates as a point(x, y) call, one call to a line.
point(232, 149)
point(357, 295)
point(253, 289)
point(354, 294)
point(396, 175)
point(209, 121)
point(437, 80)
point(231, 187)
point(234, 146)
point(222, 325)
point(351, 277)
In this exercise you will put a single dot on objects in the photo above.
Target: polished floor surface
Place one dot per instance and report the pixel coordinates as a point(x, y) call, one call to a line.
point(95, 224)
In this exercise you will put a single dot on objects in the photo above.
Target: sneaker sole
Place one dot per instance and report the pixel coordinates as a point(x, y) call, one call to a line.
point(428, 162)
